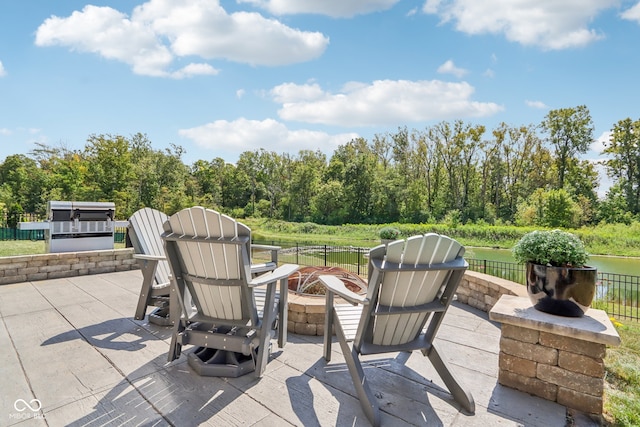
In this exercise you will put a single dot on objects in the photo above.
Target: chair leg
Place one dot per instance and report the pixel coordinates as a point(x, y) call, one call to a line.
point(175, 348)
point(174, 306)
point(148, 269)
point(268, 317)
point(328, 325)
point(283, 313)
point(366, 397)
point(461, 396)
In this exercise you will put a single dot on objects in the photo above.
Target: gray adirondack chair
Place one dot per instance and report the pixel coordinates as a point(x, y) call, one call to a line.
point(144, 231)
point(411, 284)
point(227, 313)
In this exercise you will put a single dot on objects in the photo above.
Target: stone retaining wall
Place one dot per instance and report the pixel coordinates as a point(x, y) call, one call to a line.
point(479, 290)
point(26, 268)
point(483, 291)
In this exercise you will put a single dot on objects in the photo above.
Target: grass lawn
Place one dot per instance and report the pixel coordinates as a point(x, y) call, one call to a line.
point(28, 247)
point(21, 247)
point(622, 385)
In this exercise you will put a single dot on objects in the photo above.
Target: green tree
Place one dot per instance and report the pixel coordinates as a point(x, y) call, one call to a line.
point(23, 184)
point(271, 174)
point(430, 172)
point(358, 173)
point(550, 208)
point(248, 168)
point(177, 188)
point(208, 178)
point(613, 209)
point(109, 169)
point(305, 174)
point(328, 205)
point(624, 164)
point(570, 132)
point(145, 186)
point(458, 147)
point(516, 168)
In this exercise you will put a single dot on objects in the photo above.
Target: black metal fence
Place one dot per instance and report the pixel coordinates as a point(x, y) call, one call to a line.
point(505, 270)
point(9, 233)
point(617, 294)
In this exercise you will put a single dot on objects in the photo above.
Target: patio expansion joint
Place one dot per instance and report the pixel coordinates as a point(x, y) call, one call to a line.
point(104, 356)
point(15, 351)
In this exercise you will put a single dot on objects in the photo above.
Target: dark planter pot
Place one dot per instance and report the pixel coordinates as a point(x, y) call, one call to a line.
point(562, 291)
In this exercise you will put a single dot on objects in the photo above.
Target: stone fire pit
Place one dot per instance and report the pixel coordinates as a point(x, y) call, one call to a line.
point(306, 297)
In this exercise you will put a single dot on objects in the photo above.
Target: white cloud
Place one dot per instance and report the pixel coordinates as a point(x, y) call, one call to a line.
point(489, 73)
point(243, 135)
point(194, 70)
point(598, 145)
point(160, 32)
point(383, 102)
point(632, 14)
point(536, 104)
point(5, 131)
point(240, 93)
point(333, 8)
point(450, 68)
point(3, 72)
point(549, 24)
point(431, 6)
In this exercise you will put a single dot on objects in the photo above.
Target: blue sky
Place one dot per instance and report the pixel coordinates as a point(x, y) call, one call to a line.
point(222, 77)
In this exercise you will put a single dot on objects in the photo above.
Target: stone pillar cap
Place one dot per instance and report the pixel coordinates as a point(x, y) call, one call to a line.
point(595, 326)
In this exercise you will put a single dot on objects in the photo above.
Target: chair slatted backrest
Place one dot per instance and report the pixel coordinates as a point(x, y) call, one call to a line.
point(145, 231)
point(208, 252)
point(410, 283)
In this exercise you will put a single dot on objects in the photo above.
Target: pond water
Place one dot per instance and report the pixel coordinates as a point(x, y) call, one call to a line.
point(605, 264)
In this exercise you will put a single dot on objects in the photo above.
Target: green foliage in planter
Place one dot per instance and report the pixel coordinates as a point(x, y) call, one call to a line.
point(551, 247)
point(389, 233)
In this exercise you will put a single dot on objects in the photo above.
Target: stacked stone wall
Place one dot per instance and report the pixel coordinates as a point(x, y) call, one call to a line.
point(26, 268)
point(557, 368)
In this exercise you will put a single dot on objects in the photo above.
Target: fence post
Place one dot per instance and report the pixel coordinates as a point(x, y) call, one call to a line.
point(297, 250)
point(325, 255)
point(358, 252)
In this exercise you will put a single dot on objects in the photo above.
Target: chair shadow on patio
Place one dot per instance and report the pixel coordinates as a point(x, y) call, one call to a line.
point(171, 396)
point(406, 395)
point(114, 334)
point(156, 392)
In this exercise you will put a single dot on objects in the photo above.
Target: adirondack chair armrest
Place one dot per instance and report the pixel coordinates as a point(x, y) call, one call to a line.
point(335, 285)
point(274, 250)
point(149, 257)
point(279, 273)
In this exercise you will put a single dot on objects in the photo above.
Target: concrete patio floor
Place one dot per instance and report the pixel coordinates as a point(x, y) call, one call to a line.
point(71, 354)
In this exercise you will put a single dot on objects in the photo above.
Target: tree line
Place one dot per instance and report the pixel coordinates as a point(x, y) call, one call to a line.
point(452, 171)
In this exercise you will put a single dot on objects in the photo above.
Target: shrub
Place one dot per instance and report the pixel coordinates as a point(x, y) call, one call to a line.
point(389, 233)
point(556, 247)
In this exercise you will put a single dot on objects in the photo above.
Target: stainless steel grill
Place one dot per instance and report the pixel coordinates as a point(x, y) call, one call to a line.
point(77, 226)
